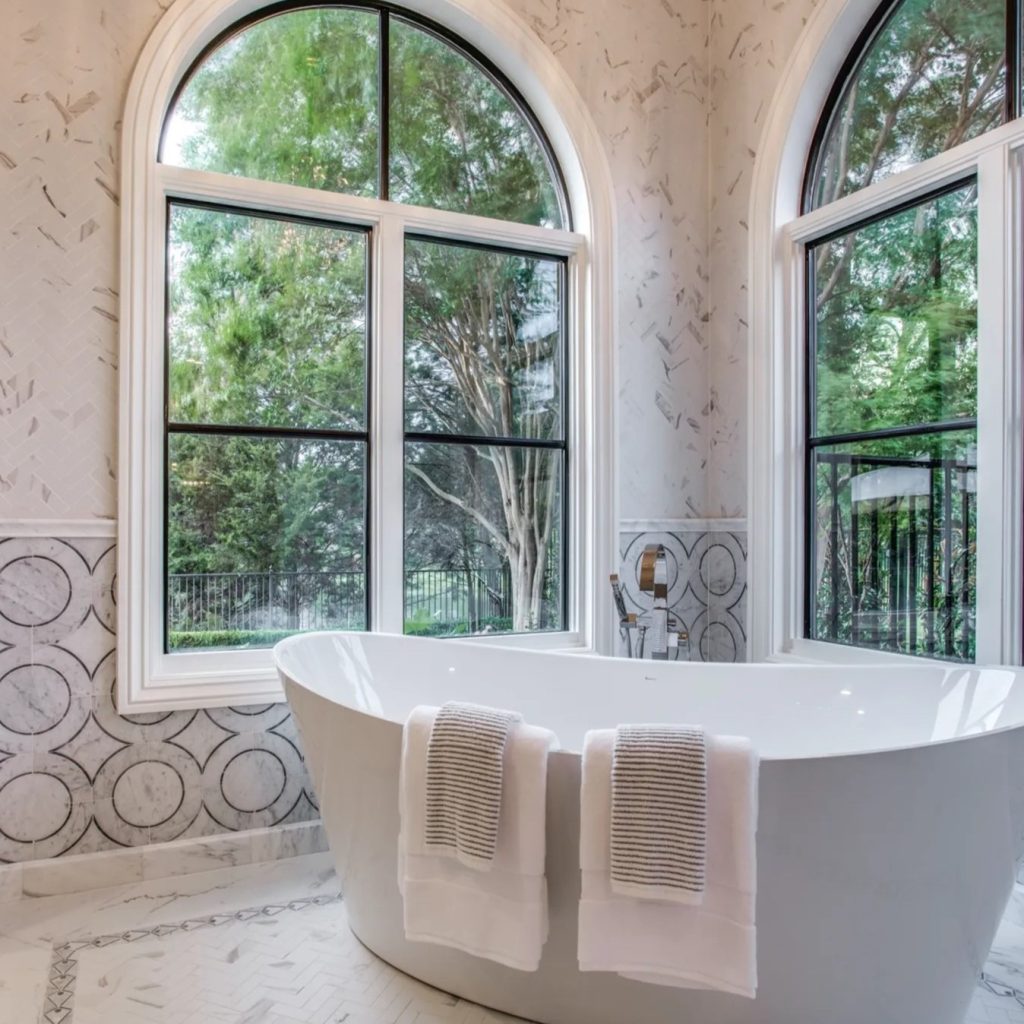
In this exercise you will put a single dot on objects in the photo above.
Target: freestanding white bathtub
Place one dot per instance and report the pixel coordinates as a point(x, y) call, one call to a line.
point(891, 815)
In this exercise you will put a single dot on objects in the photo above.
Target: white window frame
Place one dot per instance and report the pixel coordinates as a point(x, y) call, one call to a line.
point(776, 440)
point(148, 677)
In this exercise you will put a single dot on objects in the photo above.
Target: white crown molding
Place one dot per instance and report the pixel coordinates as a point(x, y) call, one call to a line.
point(682, 525)
point(77, 528)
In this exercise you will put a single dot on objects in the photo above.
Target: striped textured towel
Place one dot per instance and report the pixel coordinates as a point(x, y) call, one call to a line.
point(659, 812)
point(464, 781)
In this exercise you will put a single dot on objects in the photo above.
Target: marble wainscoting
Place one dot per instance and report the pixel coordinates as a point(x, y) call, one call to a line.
point(707, 576)
point(75, 776)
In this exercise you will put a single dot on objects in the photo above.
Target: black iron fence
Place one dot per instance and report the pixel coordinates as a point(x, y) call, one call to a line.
point(439, 600)
point(893, 554)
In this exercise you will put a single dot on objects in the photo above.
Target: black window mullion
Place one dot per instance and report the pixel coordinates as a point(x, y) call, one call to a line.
point(886, 433)
point(1014, 39)
point(384, 102)
point(484, 440)
point(286, 433)
point(810, 426)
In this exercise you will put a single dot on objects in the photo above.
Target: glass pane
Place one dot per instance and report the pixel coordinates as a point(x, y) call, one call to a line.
point(292, 99)
point(265, 537)
point(893, 559)
point(934, 77)
point(483, 342)
point(483, 539)
point(266, 321)
point(896, 319)
point(457, 140)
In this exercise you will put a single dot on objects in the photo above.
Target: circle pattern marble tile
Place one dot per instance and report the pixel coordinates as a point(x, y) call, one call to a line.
point(707, 587)
point(75, 776)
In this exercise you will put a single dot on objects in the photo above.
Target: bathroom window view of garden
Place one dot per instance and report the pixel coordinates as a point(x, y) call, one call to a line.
point(271, 343)
point(892, 342)
point(893, 439)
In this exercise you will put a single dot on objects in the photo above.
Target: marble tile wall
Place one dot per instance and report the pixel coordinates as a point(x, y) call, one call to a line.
point(76, 777)
point(749, 42)
point(707, 573)
point(640, 68)
point(677, 88)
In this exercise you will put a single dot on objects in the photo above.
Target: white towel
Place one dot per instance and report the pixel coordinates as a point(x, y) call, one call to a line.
point(712, 945)
point(500, 914)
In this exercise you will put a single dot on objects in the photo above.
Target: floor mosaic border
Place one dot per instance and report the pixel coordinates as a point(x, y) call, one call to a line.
point(58, 1007)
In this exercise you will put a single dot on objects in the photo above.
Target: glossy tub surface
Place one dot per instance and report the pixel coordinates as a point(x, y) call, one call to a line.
point(891, 815)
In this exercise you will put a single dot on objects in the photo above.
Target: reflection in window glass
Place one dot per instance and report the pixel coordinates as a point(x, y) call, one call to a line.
point(893, 545)
point(895, 319)
point(266, 321)
point(291, 99)
point(935, 76)
point(893, 518)
point(483, 539)
point(457, 140)
point(483, 342)
point(266, 537)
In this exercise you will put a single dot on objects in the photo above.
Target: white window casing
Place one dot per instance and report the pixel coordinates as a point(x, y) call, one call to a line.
point(150, 679)
point(777, 408)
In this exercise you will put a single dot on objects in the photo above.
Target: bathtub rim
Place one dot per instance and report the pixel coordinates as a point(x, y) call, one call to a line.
point(287, 679)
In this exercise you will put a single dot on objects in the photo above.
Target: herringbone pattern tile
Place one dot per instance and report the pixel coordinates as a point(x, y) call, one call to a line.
point(63, 82)
point(291, 964)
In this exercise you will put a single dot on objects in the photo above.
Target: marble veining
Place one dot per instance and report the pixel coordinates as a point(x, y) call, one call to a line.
point(707, 573)
point(263, 944)
point(640, 67)
point(77, 777)
point(749, 43)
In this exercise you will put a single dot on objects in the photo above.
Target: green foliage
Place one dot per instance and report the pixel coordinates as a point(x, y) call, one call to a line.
point(294, 99)
point(268, 317)
point(896, 308)
point(241, 504)
point(457, 141)
point(267, 321)
point(291, 99)
point(483, 343)
point(178, 640)
point(933, 78)
point(418, 627)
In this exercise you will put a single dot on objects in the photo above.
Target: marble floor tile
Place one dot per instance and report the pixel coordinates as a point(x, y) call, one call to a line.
point(267, 944)
point(24, 970)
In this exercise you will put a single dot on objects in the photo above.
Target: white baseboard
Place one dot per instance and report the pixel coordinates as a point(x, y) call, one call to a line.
point(61, 875)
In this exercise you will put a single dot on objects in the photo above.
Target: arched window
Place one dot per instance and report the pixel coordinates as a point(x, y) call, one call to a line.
point(895, 338)
point(355, 353)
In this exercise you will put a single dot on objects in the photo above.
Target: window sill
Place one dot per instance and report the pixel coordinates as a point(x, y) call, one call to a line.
point(204, 679)
point(819, 652)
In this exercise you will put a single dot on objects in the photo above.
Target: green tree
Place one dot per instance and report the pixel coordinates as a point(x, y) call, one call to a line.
point(268, 318)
